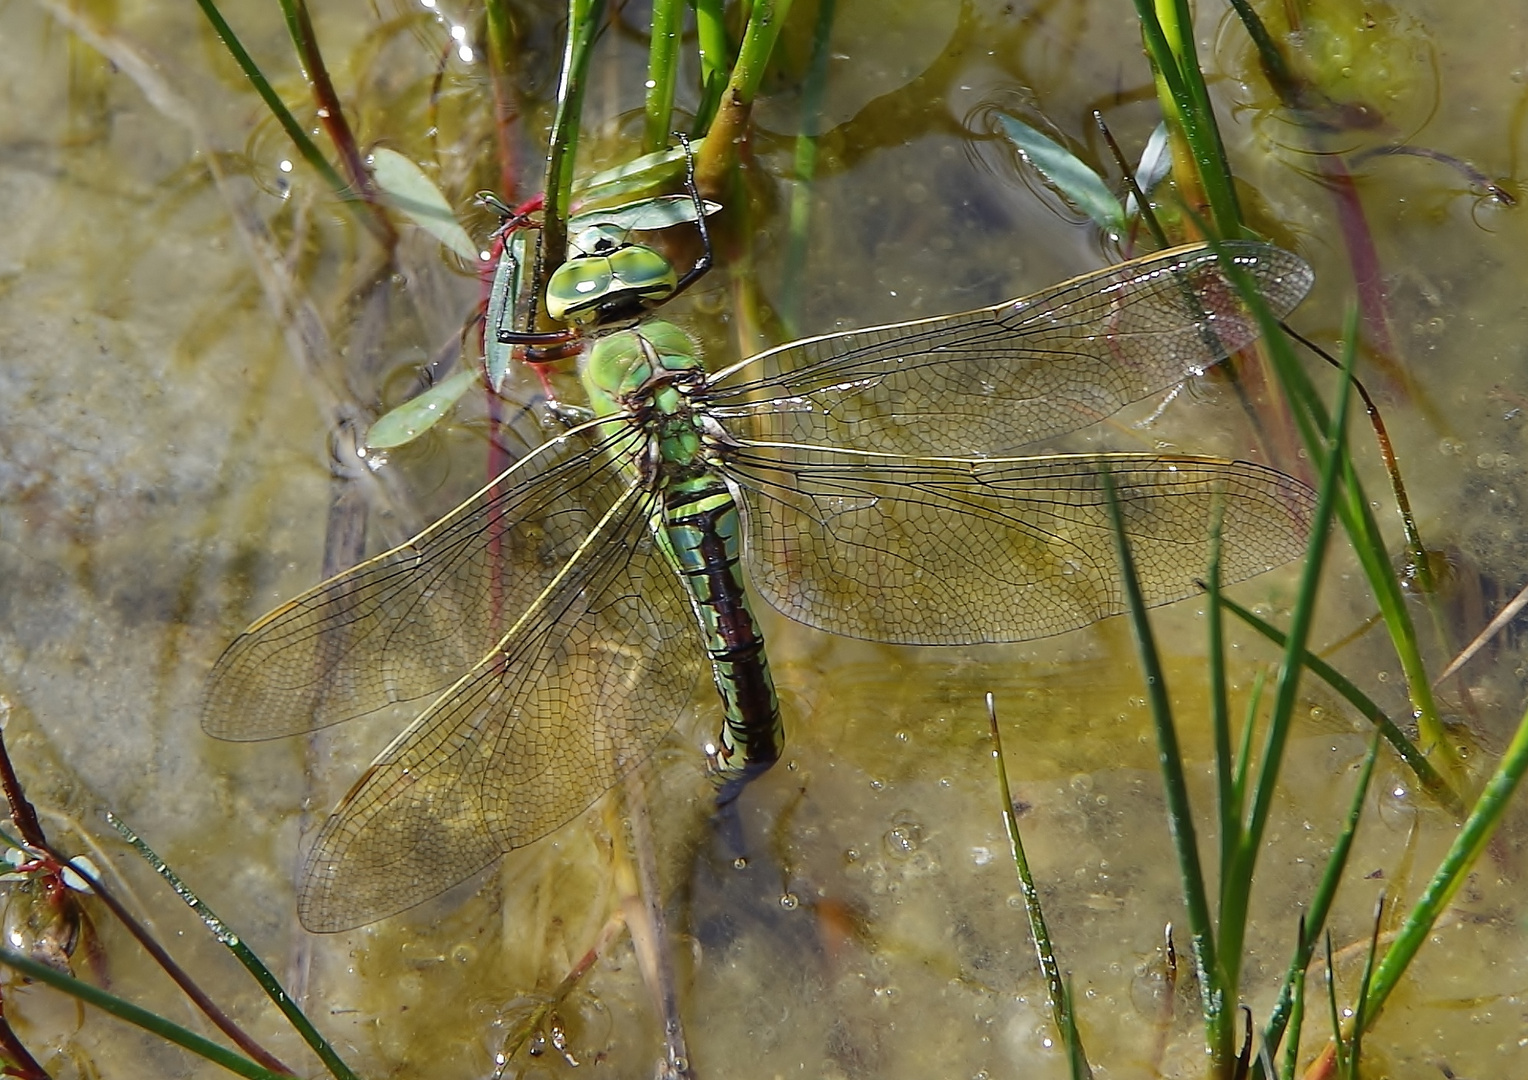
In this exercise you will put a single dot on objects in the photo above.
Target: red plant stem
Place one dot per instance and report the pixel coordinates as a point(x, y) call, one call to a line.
point(19, 1061)
point(187, 985)
point(22, 812)
point(332, 115)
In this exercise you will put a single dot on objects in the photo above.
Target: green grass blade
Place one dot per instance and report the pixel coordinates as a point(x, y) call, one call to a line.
point(1452, 871)
point(1357, 519)
point(1296, 1020)
point(1313, 922)
point(1228, 791)
point(242, 952)
point(306, 147)
point(1244, 748)
point(1180, 817)
point(1339, 1049)
point(138, 1016)
point(1237, 888)
point(1058, 990)
point(1360, 1021)
point(1429, 778)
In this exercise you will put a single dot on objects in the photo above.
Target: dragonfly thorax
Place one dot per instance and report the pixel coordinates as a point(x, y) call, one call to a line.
point(630, 371)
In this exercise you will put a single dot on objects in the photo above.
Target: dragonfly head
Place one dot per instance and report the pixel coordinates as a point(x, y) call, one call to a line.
point(607, 277)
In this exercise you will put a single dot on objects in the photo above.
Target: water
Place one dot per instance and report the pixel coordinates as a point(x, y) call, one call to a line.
point(164, 477)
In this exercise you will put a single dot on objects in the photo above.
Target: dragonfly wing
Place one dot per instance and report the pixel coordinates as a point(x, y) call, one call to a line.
point(995, 379)
point(577, 694)
point(406, 624)
point(951, 552)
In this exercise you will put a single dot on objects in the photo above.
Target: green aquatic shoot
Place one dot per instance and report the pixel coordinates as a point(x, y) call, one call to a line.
point(414, 194)
point(1218, 941)
point(138, 1016)
point(1063, 1013)
point(1468, 846)
point(241, 951)
point(662, 73)
point(1357, 517)
point(1284, 1019)
point(1073, 177)
point(765, 20)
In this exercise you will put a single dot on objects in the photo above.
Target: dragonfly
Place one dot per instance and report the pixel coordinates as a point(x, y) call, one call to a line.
point(869, 483)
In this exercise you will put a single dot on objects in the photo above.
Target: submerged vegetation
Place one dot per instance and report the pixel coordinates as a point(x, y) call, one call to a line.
point(849, 916)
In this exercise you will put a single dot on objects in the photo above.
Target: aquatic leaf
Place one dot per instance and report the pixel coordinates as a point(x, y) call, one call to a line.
point(1156, 161)
point(646, 215)
point(646, 173)
point(415, 194)
point(1073, 178)
point(419, 414)
point(503, 300)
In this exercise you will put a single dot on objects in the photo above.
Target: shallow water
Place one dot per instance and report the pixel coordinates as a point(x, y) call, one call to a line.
point(165, 478)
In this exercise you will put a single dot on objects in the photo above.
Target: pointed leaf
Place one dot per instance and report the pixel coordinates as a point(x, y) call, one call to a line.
point(646, 215)
point(1156, 160)
point(503, 301)
point(416, 196)
point(419, 414)
point(1081, 186)
point(646, 173)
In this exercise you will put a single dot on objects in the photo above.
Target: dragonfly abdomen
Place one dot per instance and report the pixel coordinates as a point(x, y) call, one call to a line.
point(702, 536)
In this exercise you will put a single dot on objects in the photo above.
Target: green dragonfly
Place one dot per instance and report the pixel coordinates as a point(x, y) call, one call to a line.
point(556, 624)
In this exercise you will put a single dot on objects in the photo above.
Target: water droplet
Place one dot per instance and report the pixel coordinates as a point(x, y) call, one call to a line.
point(903, 839)
point(789, 902)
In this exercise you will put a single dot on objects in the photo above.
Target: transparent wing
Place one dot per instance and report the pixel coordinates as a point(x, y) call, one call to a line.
point(999, 378)
point(578, 693)
point(951, 552)
point(405, 625)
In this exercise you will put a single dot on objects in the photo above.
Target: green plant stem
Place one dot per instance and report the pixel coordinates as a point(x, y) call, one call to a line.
point(331, 112)
point(800, 227)
point(306, 147)
point(731, 122)
point(1214, 1002)
point(1357, 519)
point(1452, 871)
point(500, 33)
point(133, 1014)
point(1060, 995)
point(182, 979)
point(242, 952)
point(585, 18)
point(1313, 922)
point(1236, 897)
point(715, 53)
point(662, 73)
point(1167, 27)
